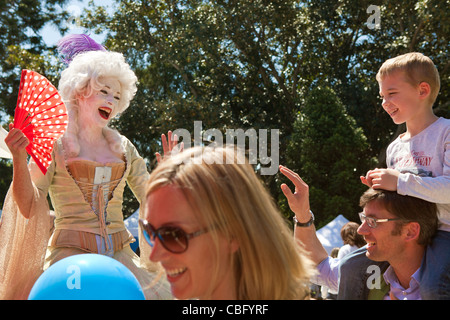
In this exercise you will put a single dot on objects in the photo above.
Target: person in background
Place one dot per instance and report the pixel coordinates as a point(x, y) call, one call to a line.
point(352, 239)
point(326, 292)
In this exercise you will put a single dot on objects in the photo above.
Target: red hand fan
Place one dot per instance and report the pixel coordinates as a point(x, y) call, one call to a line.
point(41, 115)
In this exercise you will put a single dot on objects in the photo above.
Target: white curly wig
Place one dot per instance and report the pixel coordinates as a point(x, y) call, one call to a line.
point(82, 77)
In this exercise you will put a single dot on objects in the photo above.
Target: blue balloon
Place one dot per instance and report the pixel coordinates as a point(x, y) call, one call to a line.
point(87, 277)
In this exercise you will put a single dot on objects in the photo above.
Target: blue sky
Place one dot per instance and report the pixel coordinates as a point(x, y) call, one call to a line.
point(51, 34)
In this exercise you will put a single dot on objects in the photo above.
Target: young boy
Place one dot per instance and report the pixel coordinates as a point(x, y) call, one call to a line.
point(418, 161)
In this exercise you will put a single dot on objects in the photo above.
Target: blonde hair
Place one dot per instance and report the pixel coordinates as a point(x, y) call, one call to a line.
point(82, 77)
point(417, 68)
point(269, 264)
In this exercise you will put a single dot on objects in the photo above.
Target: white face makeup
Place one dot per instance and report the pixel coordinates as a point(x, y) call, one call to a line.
point(102, 104)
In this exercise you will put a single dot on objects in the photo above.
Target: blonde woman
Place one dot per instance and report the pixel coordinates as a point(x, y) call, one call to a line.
point(216, 231)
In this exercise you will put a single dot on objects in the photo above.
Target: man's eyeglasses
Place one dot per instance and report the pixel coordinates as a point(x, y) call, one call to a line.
point(372, 222)
point(173, 239)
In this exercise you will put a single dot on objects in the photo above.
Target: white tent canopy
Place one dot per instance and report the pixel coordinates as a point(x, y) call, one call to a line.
point(330, 235)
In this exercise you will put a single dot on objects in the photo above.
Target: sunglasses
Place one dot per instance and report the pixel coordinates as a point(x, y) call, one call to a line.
point(372, 222)
point(173, 239)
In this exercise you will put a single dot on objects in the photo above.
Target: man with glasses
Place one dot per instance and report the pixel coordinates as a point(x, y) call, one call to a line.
point(397, 230)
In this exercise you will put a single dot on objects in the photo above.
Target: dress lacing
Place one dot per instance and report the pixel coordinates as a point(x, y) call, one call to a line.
point(97, 182)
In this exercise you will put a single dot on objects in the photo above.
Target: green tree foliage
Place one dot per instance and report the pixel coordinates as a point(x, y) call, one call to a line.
point(21, 46)
point(215, 62)
point(230, 64)
point(251, 64)
point(254, 63)
point(328, 151)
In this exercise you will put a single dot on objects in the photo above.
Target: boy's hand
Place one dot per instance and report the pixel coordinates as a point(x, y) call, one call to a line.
point(385, 179)
point(367, 180)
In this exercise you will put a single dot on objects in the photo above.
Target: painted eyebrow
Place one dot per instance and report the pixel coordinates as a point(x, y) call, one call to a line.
point(118, 92)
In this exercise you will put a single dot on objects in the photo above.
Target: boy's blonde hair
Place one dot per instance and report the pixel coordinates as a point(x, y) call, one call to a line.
point(417, 68)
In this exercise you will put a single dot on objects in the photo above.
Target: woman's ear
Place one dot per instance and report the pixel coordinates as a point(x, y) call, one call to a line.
point(79, 97)
point(234, 245)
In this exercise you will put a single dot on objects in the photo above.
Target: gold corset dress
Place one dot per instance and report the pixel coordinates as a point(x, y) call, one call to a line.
point(97, 182)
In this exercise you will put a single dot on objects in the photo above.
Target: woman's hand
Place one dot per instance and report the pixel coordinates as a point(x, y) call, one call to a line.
point(170, 144)
point(17, 142)
point(22, 186)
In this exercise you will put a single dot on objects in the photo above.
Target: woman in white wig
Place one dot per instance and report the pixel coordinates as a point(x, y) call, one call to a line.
point(86, 179)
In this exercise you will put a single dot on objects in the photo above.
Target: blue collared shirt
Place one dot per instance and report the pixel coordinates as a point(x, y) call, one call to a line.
point(400, 293)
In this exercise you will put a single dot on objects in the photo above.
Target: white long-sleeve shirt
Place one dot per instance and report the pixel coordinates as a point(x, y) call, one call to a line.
point(424, 165)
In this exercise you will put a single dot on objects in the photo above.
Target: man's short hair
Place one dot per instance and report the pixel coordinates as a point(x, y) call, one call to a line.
point(407, 208)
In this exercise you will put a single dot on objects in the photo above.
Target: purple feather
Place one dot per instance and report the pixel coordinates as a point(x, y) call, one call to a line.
point(73, 44)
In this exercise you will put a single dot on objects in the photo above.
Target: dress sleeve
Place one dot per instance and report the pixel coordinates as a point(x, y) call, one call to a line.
point(24, 241)
point(138, 176)
point(137, 181)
